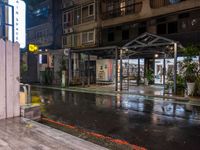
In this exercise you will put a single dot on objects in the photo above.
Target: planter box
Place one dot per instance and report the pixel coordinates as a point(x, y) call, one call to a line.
point(32, 112)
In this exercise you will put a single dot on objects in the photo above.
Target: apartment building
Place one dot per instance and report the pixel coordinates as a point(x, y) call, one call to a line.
point(123, 20)
point(81, 30)
point(80, 24)
point(40, 25)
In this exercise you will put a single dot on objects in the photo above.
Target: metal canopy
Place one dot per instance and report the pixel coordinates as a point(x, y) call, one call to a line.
point(104, 52)
point(148, 44)
point(149, 40)
point(94, 49)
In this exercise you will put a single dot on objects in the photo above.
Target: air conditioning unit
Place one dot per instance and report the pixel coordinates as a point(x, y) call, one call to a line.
point(67, 30)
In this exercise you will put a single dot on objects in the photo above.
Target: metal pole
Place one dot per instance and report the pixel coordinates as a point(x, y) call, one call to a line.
point(164, 71)
point(121, 69)
point(138, 76)
point(128, 73)
point(84, 72)
point(175, 66)
point(79, 65)
point(28, 93)
point(88, 69)
point(69, 67)
point(116, 69)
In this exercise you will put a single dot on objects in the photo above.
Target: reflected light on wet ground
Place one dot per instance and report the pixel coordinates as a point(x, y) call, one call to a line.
point(154, 124)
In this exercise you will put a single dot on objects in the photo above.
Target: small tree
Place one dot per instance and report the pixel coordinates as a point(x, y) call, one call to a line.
point(190, 70)
point(150, 75)
point(62, 67)
point(189, 67)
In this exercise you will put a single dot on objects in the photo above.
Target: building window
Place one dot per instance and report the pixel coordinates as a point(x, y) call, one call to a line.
point(195, 23)
point(162, 3)
point(64, 41)
point(110, 6)
point(184, 15)
point(125, 34)
point(88, 10)
point(67, 19)
point(91, 10)
point(161, 28)
point(167, 28)
point(110, 35)
point(88, 37)
point(122, 7)
point(42, 59)
point(42, 36)
point(172, 27)
point(77, 16)
point(84, 37)
point(117, 8)
point(142, 28)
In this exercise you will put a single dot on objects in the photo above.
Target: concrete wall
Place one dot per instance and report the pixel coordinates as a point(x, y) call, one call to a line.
point(9, 79)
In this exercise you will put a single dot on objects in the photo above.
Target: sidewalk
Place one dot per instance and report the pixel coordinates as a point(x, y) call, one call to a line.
point(24, 134)
point(150, 91)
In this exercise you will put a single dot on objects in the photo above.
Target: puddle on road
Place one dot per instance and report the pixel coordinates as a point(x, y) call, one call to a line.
point(152, 124)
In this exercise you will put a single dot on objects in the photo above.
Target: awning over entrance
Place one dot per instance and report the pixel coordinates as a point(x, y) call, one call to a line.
point(147, 45)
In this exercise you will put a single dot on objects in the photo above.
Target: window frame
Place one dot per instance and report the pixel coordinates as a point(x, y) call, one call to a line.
point(88, 37)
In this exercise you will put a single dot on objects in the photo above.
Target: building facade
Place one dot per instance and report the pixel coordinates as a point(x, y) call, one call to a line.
point(40, 25)
point(94, 23)
point(44, 30)
point(91, 24)
point(123, 20)
point(178, 20)
point(80, 24)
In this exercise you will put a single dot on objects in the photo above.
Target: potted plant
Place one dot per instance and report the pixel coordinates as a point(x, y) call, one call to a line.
point(149, 77)
point(62, 71)
point(180, 85)
point(190, 74)
point(197, 87)
point(190, 68)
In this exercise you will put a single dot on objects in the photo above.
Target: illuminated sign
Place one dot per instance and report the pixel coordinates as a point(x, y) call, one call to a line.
point(32, 48)
point(19, 22)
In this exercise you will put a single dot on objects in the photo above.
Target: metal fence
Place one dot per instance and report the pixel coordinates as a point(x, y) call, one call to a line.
point(122, 11)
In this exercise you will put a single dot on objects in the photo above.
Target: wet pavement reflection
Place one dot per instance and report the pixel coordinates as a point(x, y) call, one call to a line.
point(154, 124)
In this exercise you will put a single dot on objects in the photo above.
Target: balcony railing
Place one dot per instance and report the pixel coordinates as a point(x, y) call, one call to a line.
point(122, 11)
point(162, 3)
point(88, 18)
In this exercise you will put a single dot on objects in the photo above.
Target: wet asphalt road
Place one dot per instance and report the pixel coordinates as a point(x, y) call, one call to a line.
point(154, 124)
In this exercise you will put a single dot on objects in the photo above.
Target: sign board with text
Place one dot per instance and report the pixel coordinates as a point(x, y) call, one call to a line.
point(19, 22)
point(33, 48)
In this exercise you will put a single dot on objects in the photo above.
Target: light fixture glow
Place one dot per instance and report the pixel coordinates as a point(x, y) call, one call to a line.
point(156, 56)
